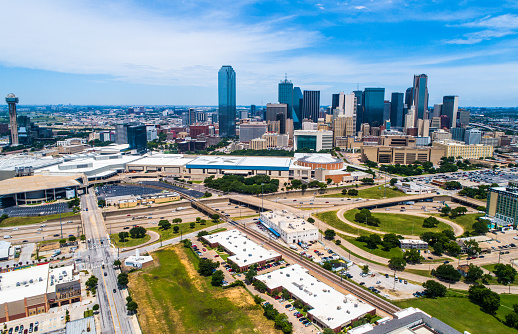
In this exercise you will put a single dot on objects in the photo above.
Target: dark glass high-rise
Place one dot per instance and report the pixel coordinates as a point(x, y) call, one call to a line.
point(227, 101)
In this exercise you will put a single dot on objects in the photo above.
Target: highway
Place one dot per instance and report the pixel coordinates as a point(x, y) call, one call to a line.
point(113, 315)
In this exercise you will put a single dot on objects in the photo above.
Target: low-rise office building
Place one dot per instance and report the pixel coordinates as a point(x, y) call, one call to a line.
point(457, 149)
point(400, 155)
point(289, 227)
point(328, 307)
point(313, 139)
point(243, 251)
point(413, 188)
point(35, 290)
point(413, 244)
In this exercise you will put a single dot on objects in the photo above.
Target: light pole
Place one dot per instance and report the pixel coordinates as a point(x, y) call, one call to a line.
point(262, 198)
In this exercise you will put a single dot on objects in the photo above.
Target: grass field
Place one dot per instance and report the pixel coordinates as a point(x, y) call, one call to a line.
point(398, 223)
point(466, 221)
point(173, 298)
point(130, 242)
point(17, 221)
point(375, 192)
point(457, 311)
point(332, 220)
point(378, 251)
point(184, 229)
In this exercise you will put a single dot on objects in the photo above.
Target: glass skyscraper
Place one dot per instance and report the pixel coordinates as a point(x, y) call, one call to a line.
point(286, 95)
point(311, 105)
point(137, 137)
point(227, 101)
point(450, 107)
point(298, 100)
point(397, 117)
point(373, 106)
point(420, 97)
point(359, 109)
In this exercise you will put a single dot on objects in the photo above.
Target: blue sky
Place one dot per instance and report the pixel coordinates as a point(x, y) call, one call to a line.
point(169, 52)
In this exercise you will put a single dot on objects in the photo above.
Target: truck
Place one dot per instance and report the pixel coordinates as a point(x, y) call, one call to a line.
point(102, 264)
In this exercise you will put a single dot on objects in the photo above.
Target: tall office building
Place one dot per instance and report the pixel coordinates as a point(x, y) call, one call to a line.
point(397, 118)
point(450, 107)
point(335, 101)
point(277, 112)
point(464, 118)
point(227, 101)
point(437, 109)
point(286, 95)
point(458, 134)
point(12, 101)
point(137, 137)
point(373, 106)
point(311, 105)
point(420, 97)
point(253, 109)
point(298, 101)
point(359, 109)
point(386, 111)
point(409, 97)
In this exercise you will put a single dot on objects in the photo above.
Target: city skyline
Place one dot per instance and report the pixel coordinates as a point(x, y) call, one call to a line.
point(148, 53)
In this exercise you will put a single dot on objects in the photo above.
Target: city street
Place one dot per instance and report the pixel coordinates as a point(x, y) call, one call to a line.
point(113, 314)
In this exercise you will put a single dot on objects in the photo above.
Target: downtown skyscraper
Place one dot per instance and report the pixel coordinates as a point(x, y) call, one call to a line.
point(420, 97)
point(311, 105)
point(373, 106)
point(286, 95)
point(227, 101)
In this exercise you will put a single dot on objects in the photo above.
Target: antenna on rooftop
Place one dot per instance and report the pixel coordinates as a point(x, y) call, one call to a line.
point(286, 76)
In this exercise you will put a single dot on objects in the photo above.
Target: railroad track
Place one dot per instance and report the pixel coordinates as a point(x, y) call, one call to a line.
point(376, 301)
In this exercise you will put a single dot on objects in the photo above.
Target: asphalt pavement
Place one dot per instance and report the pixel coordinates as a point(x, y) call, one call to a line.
point(113, 314)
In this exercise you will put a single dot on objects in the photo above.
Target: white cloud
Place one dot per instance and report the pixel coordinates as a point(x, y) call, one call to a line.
point(496, 27)
point(359, 7)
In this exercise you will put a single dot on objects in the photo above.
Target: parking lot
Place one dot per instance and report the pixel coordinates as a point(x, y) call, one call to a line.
point(475, 178)
point(116, 190)
point(384, 284)
point(42, 323)
point(192, 193)
point(39, 210)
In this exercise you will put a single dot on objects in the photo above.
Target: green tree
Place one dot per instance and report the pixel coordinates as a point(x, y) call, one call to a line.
point(176, 228)
point(480, 227)
point(250, 274)
point(177, 220)
point(490, 302)
point(95, 307)
point(434, 289)
point(206, 267)
point(365, 269)
point(117, 263)
point(192, 225)
point(63, 241)
point(472, 246)
point(311, 220)
point(352, 192)
point(187, 243)
point(505, 273)
point(260, 286)
point(511, 320)
point(367, 181)
point(393, 181)
point(397, 263)
point(132, 306)
point(137, 232)
point(328, 266)
point(285, 294)
point(328, 330)
point(430, 222)
point(91, 282)
point(217, 278)
point(330, 234)
point(344, 192)
point(447, 272)
point(122, 279)
point(83, 237)
point(215, 218)
point(123, 236)
point(474, 273)
point(72, 238)
point(445, 210)
point(164, 224)
point(373, 241)
point(329, 181)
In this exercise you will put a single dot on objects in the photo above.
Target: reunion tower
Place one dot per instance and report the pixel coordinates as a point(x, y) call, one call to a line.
point(11, 101)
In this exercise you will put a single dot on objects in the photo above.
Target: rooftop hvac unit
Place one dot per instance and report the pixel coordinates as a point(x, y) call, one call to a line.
point(31, 281)
point(338, 307)
point(348, 311)
point(269, 276)
point(287, 275)
point(17, 283)
point(249, 254)
point(355, 305)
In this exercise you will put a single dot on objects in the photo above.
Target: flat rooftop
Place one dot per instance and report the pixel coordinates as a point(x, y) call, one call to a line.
point(243, 163)
point(29, 282)
point(330, 306)
point(60, 275)
point(246, 252)
point(288, 221)
point(163, 160)
point(38, 182)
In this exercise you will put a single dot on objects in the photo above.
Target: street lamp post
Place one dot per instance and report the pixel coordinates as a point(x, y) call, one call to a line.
point(262, 198)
